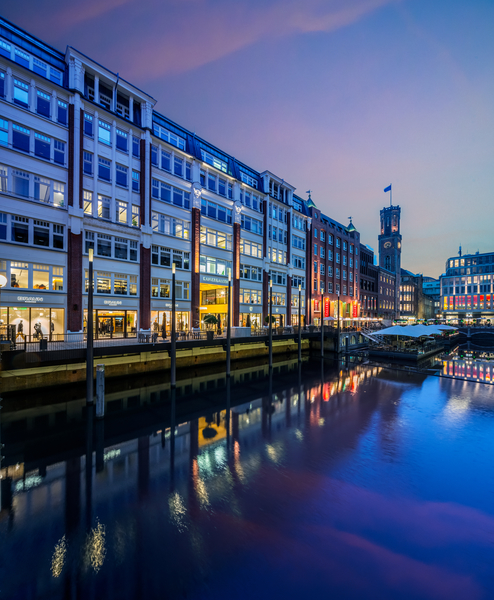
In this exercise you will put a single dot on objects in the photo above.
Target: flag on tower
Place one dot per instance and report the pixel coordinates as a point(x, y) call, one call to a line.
point(388, 189)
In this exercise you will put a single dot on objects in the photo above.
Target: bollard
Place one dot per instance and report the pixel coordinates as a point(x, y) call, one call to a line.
point(100, 391)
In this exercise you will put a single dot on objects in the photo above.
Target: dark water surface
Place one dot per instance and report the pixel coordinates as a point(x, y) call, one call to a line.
point(369, 484)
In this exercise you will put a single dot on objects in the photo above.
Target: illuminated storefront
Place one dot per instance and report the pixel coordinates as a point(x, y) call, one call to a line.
point(113, 318)
point(34, 316)
point(213, 298)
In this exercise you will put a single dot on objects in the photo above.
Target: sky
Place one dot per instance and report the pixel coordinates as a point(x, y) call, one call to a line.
point(340, 97)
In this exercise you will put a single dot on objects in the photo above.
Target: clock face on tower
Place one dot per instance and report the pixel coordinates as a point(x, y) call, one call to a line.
point(387, 244)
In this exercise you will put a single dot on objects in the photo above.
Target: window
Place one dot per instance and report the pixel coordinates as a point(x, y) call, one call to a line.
point(57, 279)
point(136, 146)
point(188, 171)
point(321, 269)
point(20, 183)
point(88, 202)
point(178, 166)
point(344, 245)
point(330, 287)
point(43, 102)
point(337, 257)
point(20, 138)
point(298, 280)
point(214, 162)
point(42, 189)
point(104, 169)
point(166, 159)
point(165, 192)
point(154, 155)
point(62, 112)
point(104, 133)
point(250, 296)
point(315, 232)
point(251, 224)
point(135, 181)
point(135, 216)
point(4, 132)
point(121, 209)
point(170, 226)
point(87, 163)
point(298, 261)
point(103, 283)
point(121, 248)
point(3, 226)
point(315, 249)
point(103, 207)
point(122, 143)
point(323, 236)
point(20, 229)
point(164, 257)
point(212, 237)
point(21, 93)
point(322, 252)
point(19, 275)
point(103, 247)
point(248, 179)
point(250, 272)
point(121, 175)
point(315, 267)
point(250, 248)
point(278, 277)
point(88, 125)
point(59, 152)
point(216, 211)
point(41, 233)
point(337, 273)
point(344, 259)
point(338, 242)
point(298, 242)
point(40, 67)
point(42, 146)
point(168, 136)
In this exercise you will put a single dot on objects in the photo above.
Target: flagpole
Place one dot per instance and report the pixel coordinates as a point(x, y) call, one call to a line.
point(391, 195)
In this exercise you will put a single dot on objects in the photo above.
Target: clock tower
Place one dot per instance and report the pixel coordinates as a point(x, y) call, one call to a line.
point(390, 246)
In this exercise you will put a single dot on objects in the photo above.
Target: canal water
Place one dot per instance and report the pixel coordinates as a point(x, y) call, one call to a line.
point(338, 480)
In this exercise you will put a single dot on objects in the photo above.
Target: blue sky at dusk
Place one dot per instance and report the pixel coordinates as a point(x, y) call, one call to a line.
point(341, 97)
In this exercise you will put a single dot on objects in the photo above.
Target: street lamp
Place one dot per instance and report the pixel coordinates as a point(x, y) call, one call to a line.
point(89, 332)
point(322, 325)
point(228, 328)
point(338, 332)
point(3, 283)
point(270, 322)
point(173, 362)
point(299, 323)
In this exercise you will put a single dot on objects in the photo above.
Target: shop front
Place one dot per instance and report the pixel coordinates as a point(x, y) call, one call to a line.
point(251, 316)
point(161, 317)
point(33, 316)
point(113, 318)
point(213, 294)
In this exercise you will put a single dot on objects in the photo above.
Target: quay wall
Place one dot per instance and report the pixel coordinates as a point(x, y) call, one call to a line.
point(134, 361)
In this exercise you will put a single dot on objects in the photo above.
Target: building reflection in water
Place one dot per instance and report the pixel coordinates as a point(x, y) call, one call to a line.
point(161, 464)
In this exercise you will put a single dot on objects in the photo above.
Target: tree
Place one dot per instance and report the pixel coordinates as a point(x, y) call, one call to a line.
point(210, 321)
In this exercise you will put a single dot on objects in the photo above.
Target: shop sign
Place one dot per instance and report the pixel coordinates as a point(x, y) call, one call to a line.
point(326, 307)
point(214, 279)
point(355, 310)
point(30, 299)
point(112, 302)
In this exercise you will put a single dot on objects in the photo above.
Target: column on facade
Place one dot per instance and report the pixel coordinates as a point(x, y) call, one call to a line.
point(289, 277)
point(145, 245)
point(236, 273)
point(309, 271)
point(74, 233)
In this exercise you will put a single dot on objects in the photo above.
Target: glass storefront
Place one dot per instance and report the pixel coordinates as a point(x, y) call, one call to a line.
point(253, 320)
point(161, 321)
point(214, 301)
point(113, 323)
point(33, 323)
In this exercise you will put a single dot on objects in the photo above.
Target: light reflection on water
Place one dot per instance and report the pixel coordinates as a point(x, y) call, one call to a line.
point(371, 483)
